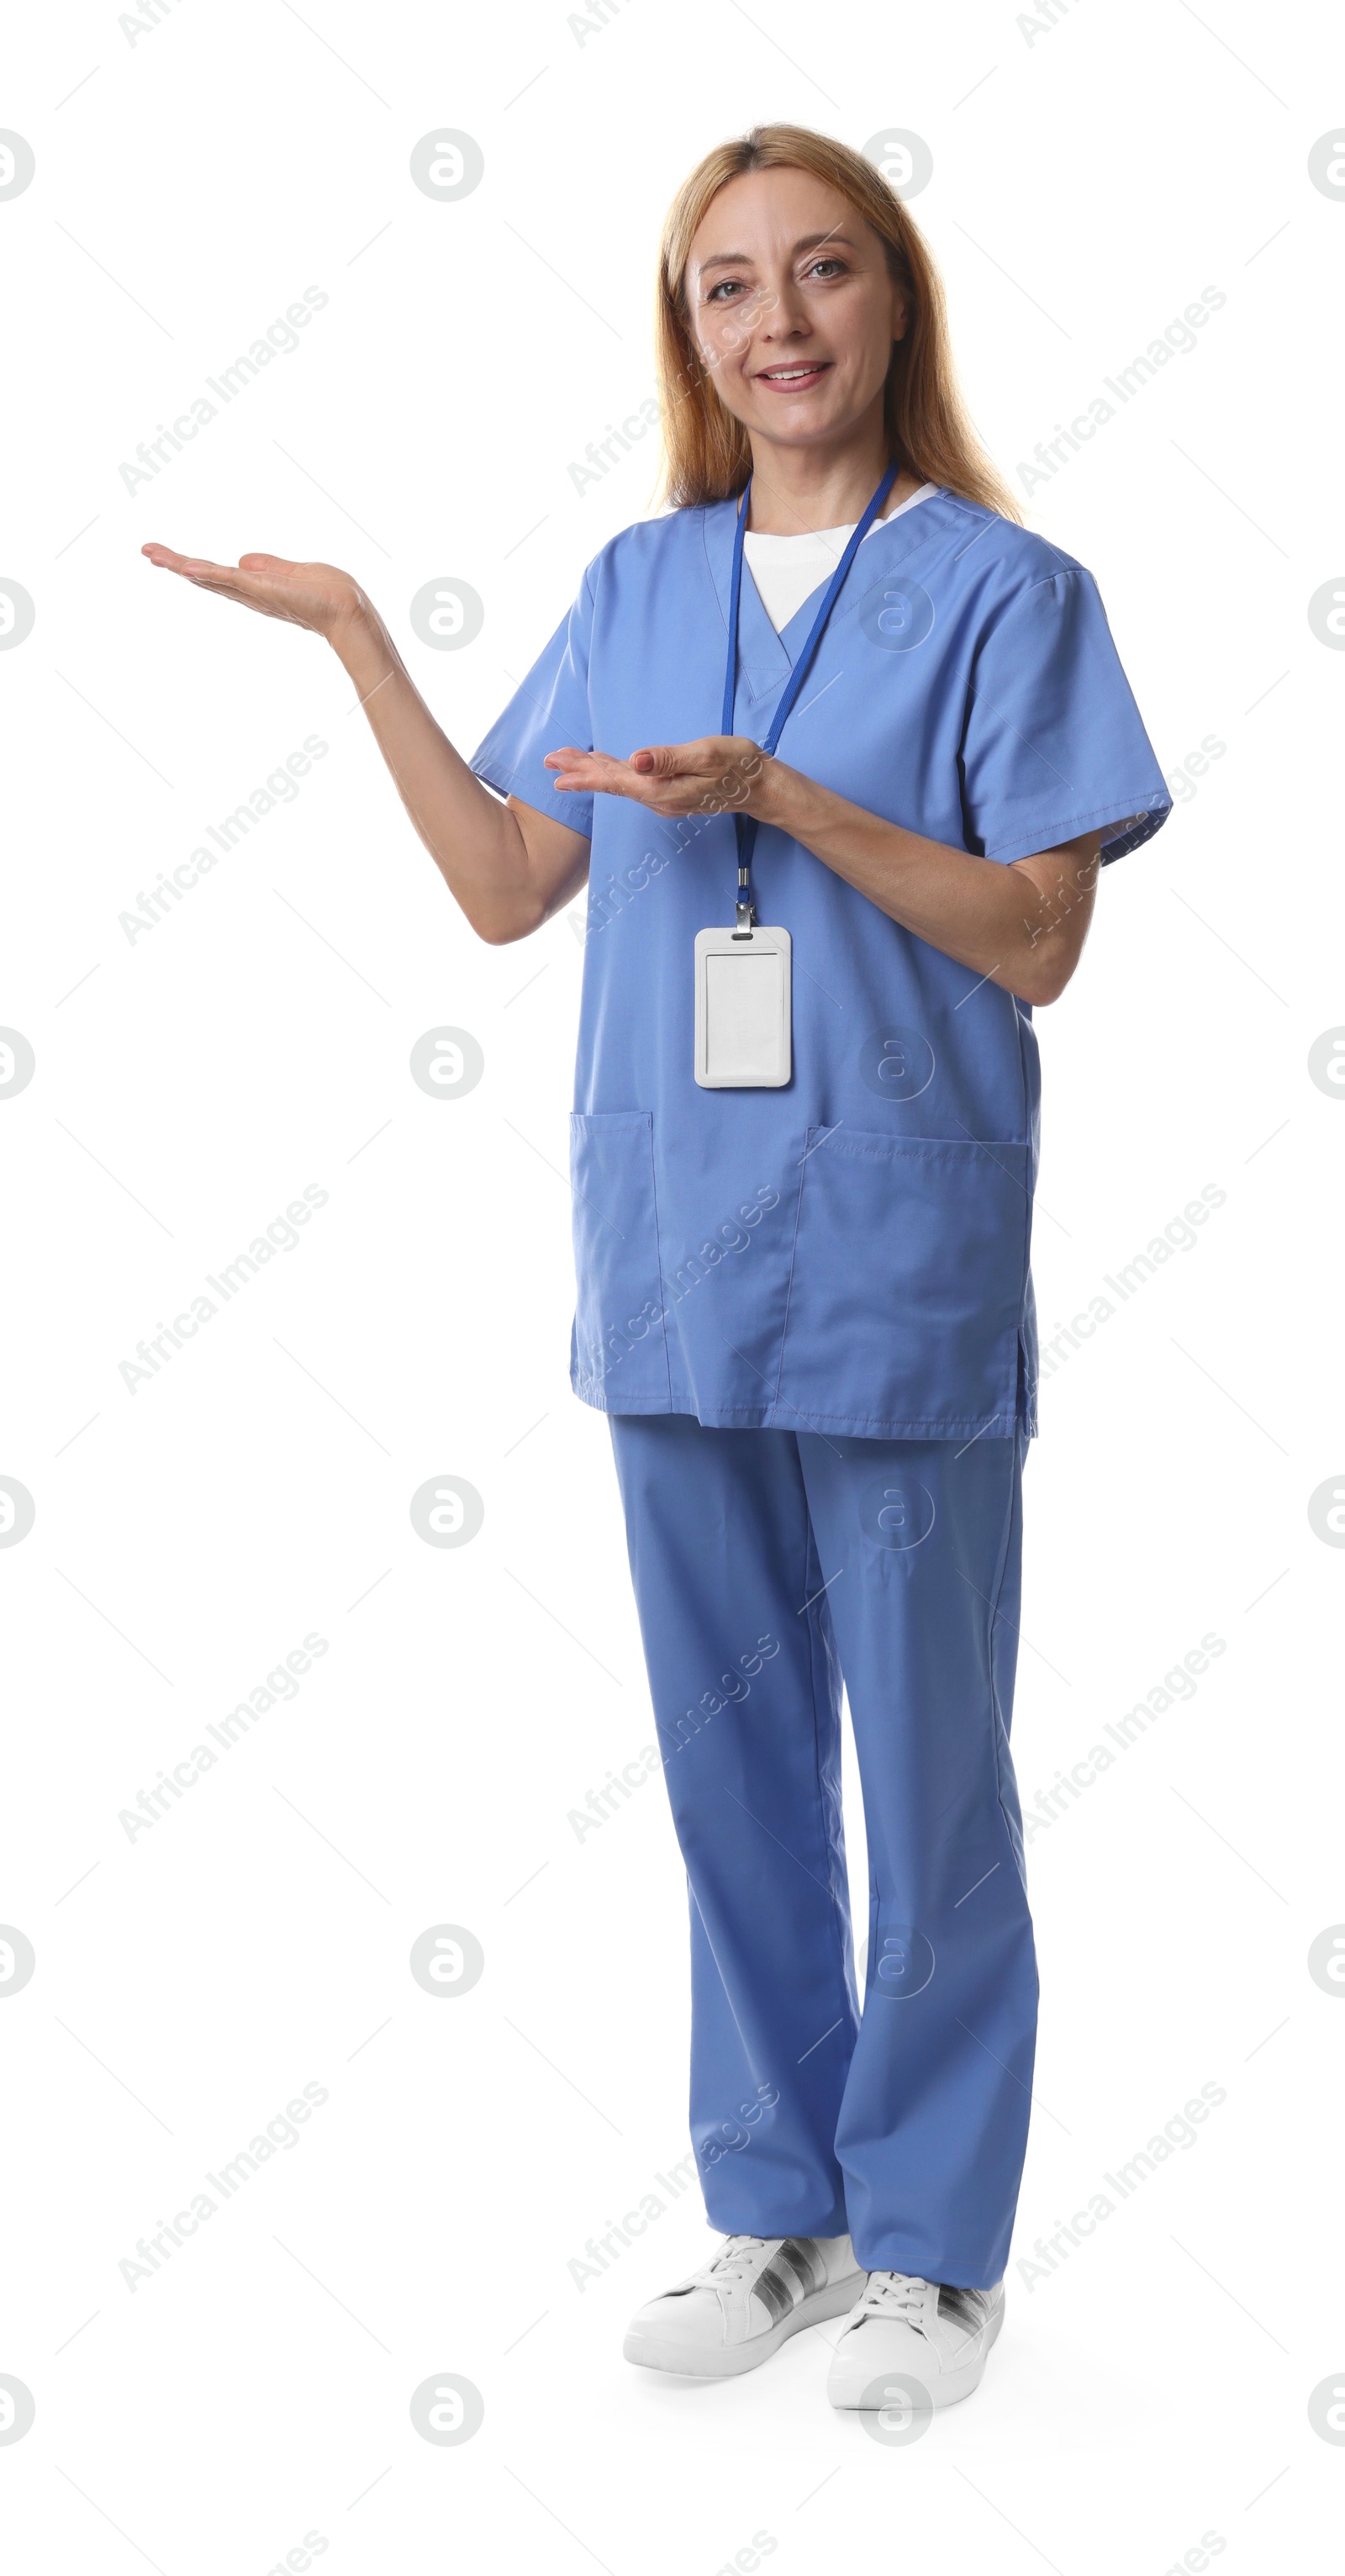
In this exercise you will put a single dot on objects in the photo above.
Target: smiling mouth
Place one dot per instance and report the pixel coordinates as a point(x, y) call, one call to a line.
point(795, 377)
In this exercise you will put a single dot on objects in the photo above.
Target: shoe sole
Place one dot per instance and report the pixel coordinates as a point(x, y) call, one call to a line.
point(945, 2388)
point(726, 2361)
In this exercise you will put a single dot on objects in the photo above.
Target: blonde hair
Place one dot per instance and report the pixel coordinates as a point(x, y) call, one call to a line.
point(706, 451)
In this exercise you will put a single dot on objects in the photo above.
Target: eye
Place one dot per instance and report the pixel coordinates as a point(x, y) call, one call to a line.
point(727, 286)
point(836, 266)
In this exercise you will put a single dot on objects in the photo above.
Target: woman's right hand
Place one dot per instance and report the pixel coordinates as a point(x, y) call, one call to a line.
point(509, 866)
point(316, 595)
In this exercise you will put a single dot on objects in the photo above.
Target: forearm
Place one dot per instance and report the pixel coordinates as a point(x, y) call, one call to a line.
point(1022, 931)
point(475, 841)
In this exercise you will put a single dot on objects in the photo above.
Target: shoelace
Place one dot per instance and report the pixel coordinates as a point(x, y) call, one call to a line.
point(899, 2294)
point(733, 2258)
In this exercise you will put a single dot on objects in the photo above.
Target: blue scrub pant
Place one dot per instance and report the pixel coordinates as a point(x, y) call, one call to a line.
point(768, 1565)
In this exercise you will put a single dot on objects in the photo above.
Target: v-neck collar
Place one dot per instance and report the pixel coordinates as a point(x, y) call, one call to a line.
point(765, 657)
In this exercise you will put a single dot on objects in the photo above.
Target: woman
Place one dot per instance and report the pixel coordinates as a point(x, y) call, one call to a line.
point(804, 1151)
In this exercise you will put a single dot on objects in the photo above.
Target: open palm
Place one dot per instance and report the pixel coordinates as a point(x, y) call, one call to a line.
point(316, 595)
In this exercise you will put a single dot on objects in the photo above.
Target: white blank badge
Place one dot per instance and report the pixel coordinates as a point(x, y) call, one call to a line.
point(742, 1009)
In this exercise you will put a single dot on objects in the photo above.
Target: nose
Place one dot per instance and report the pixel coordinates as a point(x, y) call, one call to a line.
point(786, 312)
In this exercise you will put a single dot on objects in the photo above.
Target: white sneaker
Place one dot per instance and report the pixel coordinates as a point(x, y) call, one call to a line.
point(743, 2304)
point(915, 2330)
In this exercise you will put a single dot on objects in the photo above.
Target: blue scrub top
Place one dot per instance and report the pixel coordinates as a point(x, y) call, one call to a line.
point(849, 1253)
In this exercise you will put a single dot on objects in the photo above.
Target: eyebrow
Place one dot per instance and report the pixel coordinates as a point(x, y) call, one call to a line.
point(743, 258)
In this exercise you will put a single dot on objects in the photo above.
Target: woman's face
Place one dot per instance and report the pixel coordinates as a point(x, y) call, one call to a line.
point(792, 305)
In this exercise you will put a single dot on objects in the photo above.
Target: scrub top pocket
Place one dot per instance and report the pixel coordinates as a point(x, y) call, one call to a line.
point(909, 1274)
point(618, 1350)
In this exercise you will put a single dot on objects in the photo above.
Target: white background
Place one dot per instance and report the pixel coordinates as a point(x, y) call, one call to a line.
point(1090, 177)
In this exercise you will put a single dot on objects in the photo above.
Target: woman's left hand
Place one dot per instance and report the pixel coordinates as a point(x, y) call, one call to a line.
point(1020, 925)
point(724, 774)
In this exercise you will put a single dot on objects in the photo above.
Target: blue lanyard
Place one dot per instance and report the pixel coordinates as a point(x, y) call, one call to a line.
point(746, 823)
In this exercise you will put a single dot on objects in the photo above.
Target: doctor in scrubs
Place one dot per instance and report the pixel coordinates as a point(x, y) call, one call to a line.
point(839, 748)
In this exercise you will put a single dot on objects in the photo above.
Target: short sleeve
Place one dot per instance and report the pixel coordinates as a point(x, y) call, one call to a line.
point(1053, 744)
point(549, 709)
